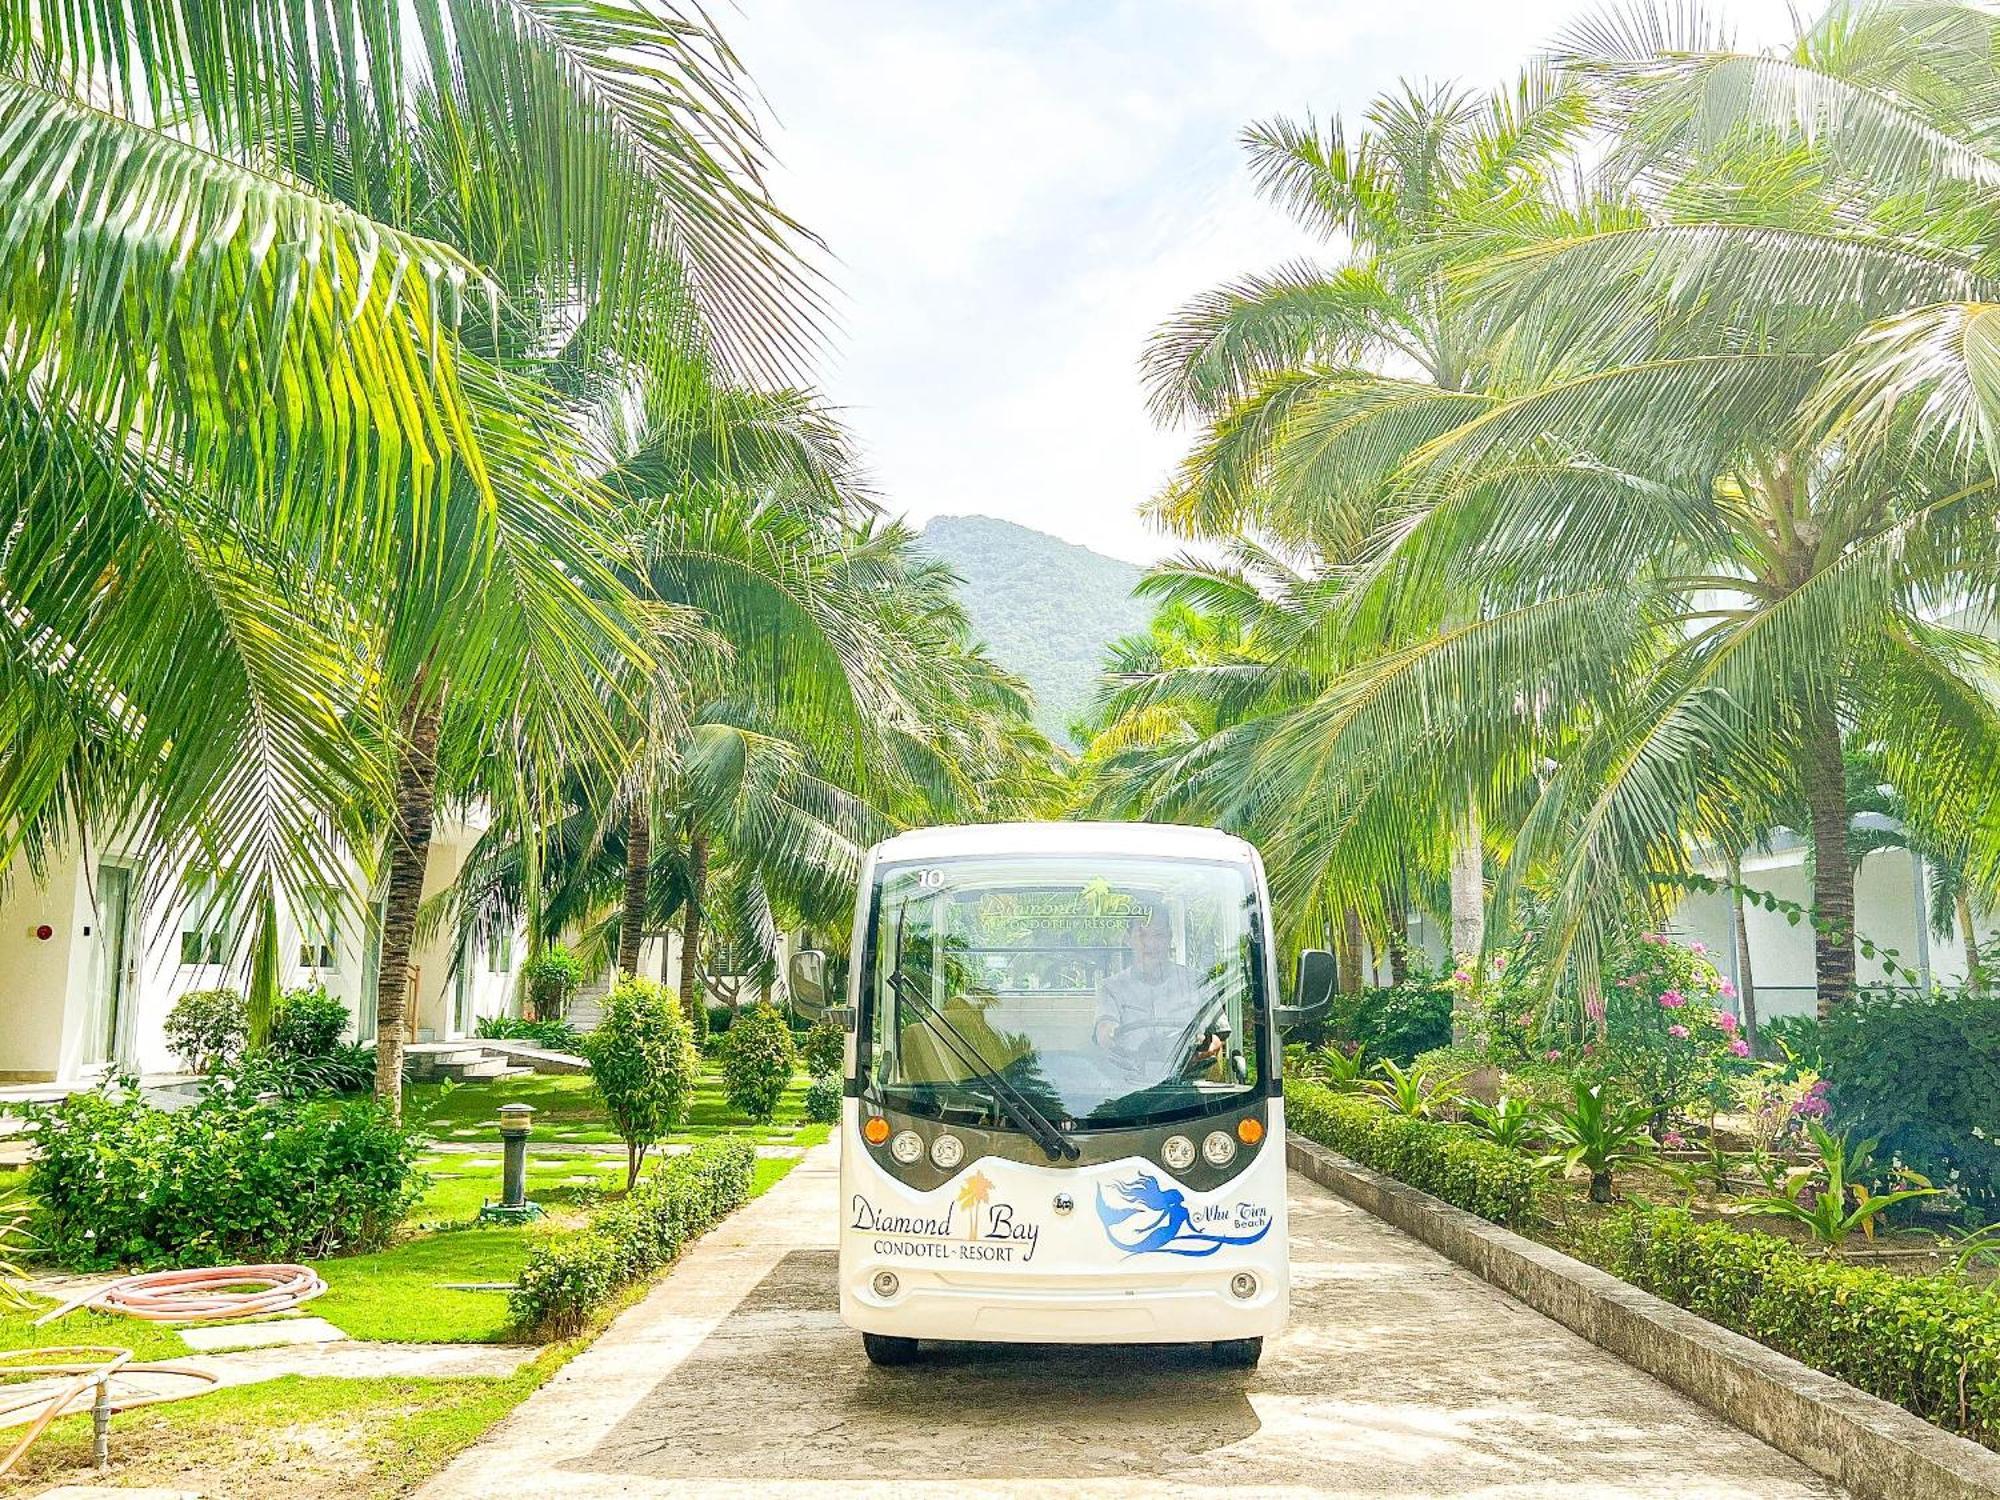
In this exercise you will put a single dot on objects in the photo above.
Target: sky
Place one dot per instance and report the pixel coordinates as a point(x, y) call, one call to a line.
point(1013, 193)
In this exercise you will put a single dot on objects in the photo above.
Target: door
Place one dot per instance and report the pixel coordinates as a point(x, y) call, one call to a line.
point(461, 995)
point(107, 1037)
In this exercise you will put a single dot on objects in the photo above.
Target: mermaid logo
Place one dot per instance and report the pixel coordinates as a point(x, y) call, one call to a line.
point(1149, 1219)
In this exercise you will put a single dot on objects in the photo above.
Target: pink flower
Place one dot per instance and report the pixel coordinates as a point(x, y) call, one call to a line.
point(1678, 1033)
point(1672, 1000)
point(1698, 949)
point(1499, 963)
point(1740, 1047)
point(1589, 1048)
point(1594, 1009)
point(1525, 1018)
point(1726, 1021)
point(1673, 1140)
point(1728, 989)
point(1459, 976)
point(1554, 1054)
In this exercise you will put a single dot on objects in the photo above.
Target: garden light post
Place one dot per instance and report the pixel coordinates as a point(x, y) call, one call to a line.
point(516, 1120)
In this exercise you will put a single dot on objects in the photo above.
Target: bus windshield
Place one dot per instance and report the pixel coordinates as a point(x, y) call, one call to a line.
point(1105, 992)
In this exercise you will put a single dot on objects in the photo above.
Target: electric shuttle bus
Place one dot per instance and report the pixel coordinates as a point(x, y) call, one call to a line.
point(1062, 1120)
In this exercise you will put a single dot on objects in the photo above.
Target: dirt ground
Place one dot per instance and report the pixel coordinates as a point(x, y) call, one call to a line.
point(1400, 1375)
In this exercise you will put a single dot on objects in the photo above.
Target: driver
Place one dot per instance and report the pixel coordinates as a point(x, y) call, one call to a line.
point(1156, 998)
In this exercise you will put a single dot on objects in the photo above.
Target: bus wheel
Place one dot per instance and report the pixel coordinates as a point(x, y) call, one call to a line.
point(1238, 1354)
point(886, 1349)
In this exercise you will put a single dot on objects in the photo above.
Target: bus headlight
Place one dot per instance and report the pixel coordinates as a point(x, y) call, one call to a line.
point(1219, 1147)
point(947, 1151)
point(1177, 1151)
point(907, 1148)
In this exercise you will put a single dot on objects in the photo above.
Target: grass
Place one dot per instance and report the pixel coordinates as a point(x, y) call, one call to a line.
point(569, 1111)
point(309, 1438)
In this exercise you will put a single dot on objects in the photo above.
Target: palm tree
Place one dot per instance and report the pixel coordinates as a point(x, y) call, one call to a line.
point(297, 203)
point(1314, 383)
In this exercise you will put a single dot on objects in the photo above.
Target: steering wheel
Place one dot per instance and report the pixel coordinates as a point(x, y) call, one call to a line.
point(1199, 1028)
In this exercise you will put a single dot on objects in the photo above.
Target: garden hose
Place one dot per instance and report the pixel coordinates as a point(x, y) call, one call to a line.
point(62, 1374)
point(199, 1295)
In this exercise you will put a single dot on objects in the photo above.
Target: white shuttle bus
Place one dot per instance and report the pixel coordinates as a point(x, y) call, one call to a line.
point(1062, 1119)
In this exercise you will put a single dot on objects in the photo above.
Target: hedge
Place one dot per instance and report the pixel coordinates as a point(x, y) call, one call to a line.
point(1454, 1165)
point(565, 1280)
point(1929, 1344)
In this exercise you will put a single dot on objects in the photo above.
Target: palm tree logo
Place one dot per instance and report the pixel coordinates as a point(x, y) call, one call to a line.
point(975, 1190)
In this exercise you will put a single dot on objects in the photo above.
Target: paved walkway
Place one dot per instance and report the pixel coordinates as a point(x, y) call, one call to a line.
point(1400, 1375)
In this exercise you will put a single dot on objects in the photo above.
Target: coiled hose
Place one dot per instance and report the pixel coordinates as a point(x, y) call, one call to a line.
point(202, 1294)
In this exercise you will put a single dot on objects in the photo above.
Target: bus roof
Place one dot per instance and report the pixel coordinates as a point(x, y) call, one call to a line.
point(1159, 840)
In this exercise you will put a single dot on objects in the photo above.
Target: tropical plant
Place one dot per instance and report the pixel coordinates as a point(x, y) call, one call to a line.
point(1599, 1133)
point(1509, 1122)
point(1340, 1068)
point(644, 1065)
point(548, 979)
point(206, 1028)
point(1838, 1201)
point(1407, 1091)
point(307, 1023)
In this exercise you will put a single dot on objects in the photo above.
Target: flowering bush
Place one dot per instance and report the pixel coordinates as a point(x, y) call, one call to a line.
point(1663, 1037)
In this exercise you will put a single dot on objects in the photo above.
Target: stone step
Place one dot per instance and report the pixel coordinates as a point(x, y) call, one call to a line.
point(485, 1070)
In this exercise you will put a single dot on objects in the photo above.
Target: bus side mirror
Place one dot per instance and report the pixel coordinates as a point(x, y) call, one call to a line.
point(807, 987)
point(1312, 990)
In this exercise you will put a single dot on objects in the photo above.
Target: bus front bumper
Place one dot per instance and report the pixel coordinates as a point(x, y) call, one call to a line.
point(932, 1304)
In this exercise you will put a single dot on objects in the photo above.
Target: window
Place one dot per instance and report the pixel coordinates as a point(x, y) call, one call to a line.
point(319, 929)
point(207, 918)
point(500, 953)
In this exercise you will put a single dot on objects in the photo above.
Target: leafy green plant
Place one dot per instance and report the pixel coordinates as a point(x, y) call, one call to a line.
point(823, 1049)
point(13, 1240)
point(1447, 1161)
point(1795, 1041)
point(1507, 1121)
point(758, 1059)
point(548, 980)
point(644, 1064)
point(206, 1028)
point(1827, 1214)
point(566, 1278)
point(1929, 1344)
point(1403, 1091)
point(557, 1036)
point(1339, 1067)
point(1599, 1134)
point(823, 1100)
point(307, 1023)
point(120, 1182)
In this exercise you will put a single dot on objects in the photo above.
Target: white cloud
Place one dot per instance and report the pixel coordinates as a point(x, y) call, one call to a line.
point(1017, 192)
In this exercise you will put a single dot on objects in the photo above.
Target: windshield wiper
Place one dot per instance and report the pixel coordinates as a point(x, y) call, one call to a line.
point(1007, 1100)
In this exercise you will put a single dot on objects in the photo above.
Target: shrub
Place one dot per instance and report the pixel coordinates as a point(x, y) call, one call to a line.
point(307, 1023)
point(557, 1036)
point(644, 1064)
point(347, 1069)
point(758, 1059)
point(1444, 1160)
point(1794, 1042)
point(566, 1279)
point(823, 1100)
point(1928, 1344)
point(823, 1049)
point(1396, 1023)
point(119, 1182)
point(548, 980)
point(719, 1018)
point(206, 1028)
point(1921, 1076)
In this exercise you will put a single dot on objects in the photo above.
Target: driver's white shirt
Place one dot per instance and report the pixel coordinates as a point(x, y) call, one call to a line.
point(1170, 998)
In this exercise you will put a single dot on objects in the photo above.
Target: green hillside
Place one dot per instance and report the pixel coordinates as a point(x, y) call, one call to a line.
point(1044, 607)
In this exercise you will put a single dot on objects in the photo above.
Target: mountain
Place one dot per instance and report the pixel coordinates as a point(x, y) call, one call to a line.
point(1045, 608)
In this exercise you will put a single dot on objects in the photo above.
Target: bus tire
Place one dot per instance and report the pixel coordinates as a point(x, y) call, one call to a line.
point(887, 1349)
point(1238, 1354)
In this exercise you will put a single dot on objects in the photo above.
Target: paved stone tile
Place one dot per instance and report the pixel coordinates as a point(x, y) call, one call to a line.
point(214, 1338)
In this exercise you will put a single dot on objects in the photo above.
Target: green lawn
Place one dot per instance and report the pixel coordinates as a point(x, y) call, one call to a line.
point(569, 1111)
point(324, 1439)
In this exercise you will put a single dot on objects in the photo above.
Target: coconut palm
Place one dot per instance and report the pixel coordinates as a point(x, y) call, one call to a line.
point(241, 383)
point(1314, 383)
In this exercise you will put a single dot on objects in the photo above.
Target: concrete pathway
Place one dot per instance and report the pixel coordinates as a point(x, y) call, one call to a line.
point(1400, 1375)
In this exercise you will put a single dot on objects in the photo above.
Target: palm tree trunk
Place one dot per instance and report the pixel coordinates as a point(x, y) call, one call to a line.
point(1351, 948)
point(638, 867)
point(1975, 979)
point(1746, 984)
point(409, 855)
point(1468, 912)
point(1825, 779)
point(697, 876)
